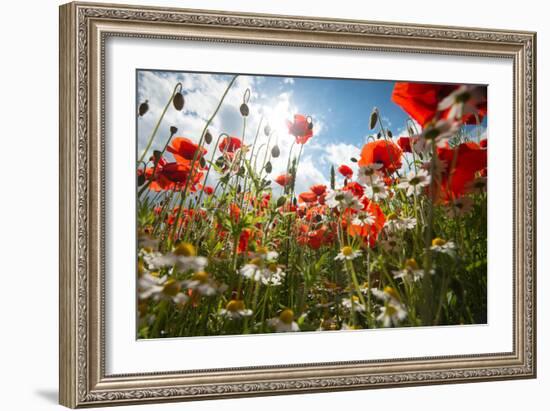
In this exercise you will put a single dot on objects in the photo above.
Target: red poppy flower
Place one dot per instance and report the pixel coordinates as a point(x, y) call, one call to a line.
point(230, 144)
point(284, 180)
point(234, 212)
point(208, 190)
point(301, 128)
point(406, 143)
point(483, 143)
point(382, 152)
point(244, 238)
point(307, 197)
point(184, 149)
point(180, 172)
point(318, 189)
point(461, 165)
point(345, 170)
point(356, 188)
point(420, 100)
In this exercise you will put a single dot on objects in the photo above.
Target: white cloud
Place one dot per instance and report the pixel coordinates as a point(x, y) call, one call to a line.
point(288, 80)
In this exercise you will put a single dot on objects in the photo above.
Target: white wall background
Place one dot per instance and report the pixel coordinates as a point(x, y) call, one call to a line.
point(29, 205)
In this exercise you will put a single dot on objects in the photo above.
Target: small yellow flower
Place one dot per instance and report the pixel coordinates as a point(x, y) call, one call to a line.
point(391, 291)
point(201, 277)
point(235, 305)
point(171, 288)
point(411, 264)
point(287, 316)
point(186, 250)
point(347, 251)
point(438, 242)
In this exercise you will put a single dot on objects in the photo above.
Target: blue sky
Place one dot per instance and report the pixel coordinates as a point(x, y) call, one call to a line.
point(340, 109)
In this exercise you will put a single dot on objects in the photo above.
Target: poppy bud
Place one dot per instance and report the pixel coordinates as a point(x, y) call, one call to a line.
point(294, 201)
point(178, 101)
point(373, 118)
point(318, 218)
point(353, 160)
point(309, 123)
point(208, 137)
point(220, 161)
point(379, 135)
point(267, 130)
point(202, 162)
point(275, 151)
point(173, 130)
point(140, 179)
point(390, 134)
point(156, 155)
point(268, 167)
point(244, 110)
point(143, 108)
point(281, 201)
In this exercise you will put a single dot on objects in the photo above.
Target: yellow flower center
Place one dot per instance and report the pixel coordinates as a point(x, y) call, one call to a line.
point(185, 249)
point(140, 267)
point(272, 267)
point(355, 299)
point(235, 305)
point(287, 316)
point(411, 264)
point(257, 261)
point(438, 242)
point(391, 291)
point(391, 216)
point(201, 277)
point(261, 250)
point(347, 251)
point(390, 310)
point(171, 288)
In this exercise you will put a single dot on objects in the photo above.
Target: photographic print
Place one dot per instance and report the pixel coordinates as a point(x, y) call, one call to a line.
point(292, 204)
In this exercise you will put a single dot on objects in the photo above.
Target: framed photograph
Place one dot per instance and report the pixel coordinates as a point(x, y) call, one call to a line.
point(258, 204)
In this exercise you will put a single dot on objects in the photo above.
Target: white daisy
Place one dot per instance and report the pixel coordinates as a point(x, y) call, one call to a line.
point(268, 273)
point(462, 101)
point(415, 182)
point(354, 303)
point(390, 243)
point(234, 310)
point(162, 288)
point(392, 313)
point(284, 322)
point(367, 173)
point(409, 272)
point(363, 218)
point(342, 200)
point(376, 189)
point(438, 133)
point(442, 246)
point(202, 283)
point(183, 258)
point(395, 223)
point(347, 253)
point(387, 294)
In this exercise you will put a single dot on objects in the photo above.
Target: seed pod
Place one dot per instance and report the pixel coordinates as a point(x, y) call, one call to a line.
point(202, 162)
point(318, 218)
point(156, 155)
point(390, 134)
point(281, 201)
point(294, 201)
point(268, 167)
point(267, 130)
point(244, 110)
point(309, 122)
point(353, 160)
point(373, 118)
point(143, 108)
point(208, 137)
point(140, 180)
point(178, 101)
point(220, 161)
point(275, 151)
point(379, 135)
point(173, 130)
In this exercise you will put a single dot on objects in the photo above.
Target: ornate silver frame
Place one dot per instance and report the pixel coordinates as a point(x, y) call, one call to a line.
point(83, 30)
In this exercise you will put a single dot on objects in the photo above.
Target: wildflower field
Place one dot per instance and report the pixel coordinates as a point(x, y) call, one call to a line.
point(245, 225)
